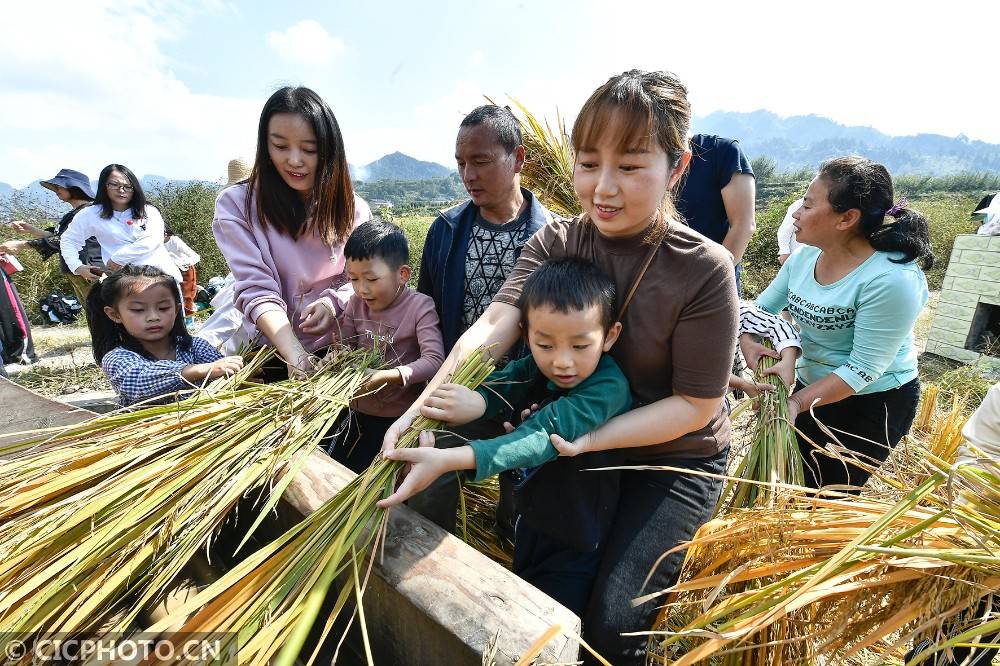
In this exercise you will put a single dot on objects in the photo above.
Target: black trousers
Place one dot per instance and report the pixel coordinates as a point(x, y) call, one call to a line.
point(870, 425)
point(564, 574)
point(656, 511)
point(357, 439)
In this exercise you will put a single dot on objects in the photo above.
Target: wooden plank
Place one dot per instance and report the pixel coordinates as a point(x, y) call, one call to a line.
point(433, 599)
point(21, 409)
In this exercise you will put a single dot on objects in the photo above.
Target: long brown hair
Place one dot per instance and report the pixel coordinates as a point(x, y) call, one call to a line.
point(642, 106)
point(330, 208)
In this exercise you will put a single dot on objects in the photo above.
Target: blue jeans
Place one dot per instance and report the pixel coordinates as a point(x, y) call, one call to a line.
point(656, 511)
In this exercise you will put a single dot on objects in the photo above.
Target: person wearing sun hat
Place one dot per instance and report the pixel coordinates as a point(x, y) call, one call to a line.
point(72, 187)
point(238, 171)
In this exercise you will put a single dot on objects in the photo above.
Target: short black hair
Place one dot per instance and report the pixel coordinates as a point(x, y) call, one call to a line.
point(501, 120)
point(377, 238)
point(568, 284)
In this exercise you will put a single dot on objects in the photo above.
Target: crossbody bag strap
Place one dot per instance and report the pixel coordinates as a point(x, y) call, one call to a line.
point(642, 271)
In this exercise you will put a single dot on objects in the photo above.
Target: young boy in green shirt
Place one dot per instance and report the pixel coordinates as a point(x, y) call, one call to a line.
point(568, 320)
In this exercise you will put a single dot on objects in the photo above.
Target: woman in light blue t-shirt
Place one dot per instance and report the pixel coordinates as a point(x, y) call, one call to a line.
point(855, 290)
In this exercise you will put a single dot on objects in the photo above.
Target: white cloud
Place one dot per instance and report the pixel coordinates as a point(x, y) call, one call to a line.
point(306, 43)
point(75, 102)
point(475, 60)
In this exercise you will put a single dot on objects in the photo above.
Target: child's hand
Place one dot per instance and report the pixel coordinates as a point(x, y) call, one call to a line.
point(453, 404)
point(525, 415)
point(785, 368)
point(379, 378)
point(318, 317)
point(751, 388)
point(224, 367)
point(753, 350)
point(425, 465)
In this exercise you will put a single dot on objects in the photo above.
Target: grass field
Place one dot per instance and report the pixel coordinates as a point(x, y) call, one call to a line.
point(67, 367)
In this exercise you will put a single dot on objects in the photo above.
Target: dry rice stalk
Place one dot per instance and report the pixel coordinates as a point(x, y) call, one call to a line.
point(98, 518)
point(270, 601)
point(837, 578)
point(477, 521)
point(548, 165)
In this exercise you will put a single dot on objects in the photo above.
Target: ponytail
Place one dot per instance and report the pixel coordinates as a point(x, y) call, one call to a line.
point(105, 333)
point(858, 183)
point(908, 234)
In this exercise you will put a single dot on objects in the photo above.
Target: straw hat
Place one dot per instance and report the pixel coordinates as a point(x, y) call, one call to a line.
point(239, 169)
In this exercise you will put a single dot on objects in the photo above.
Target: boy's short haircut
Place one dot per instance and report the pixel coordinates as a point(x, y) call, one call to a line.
point(380, 239)
point(568, 284)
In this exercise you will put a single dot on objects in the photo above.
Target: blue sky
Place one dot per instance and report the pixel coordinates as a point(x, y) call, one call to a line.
point(175, 88)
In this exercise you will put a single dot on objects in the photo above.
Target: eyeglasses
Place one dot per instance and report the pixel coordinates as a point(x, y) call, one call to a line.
point(115, 185)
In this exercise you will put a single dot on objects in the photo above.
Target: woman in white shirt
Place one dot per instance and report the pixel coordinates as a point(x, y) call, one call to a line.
point(129, 230)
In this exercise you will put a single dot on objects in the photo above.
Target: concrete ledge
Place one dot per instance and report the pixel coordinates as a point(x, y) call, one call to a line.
point(432, 600)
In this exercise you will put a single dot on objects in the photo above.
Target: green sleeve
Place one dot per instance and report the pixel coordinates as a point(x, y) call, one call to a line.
point(603, 395)
point(508, 387)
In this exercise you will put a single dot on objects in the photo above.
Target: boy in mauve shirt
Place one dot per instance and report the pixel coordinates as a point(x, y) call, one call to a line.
point(387, 315)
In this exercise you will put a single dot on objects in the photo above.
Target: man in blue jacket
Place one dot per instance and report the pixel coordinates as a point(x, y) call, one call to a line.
point(470, 250)
point(472, 247)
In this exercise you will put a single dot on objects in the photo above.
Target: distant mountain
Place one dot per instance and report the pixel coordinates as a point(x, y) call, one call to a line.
point(398, 166)
point(41, 201)
point(798, 142)
point(153, 182)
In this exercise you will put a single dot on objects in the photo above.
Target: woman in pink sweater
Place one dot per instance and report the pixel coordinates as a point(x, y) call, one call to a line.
point(283, 230)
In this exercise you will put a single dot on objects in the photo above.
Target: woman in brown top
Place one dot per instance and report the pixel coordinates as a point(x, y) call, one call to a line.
point(676, 347)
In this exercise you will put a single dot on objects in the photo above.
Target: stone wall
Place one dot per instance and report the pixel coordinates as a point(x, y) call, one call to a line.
point(973, 278)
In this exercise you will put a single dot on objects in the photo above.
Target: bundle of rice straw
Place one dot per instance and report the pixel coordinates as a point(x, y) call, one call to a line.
point(842, 577)
point(548, 165)
point(97, 519)
point(477, 521)
point(773, 454)
point(270, 601)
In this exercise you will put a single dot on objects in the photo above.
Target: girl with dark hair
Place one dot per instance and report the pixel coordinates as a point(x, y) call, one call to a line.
point(677, 296)
point(855, 290)
point(129, 230)
point(137, 330)
point(283, 231)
